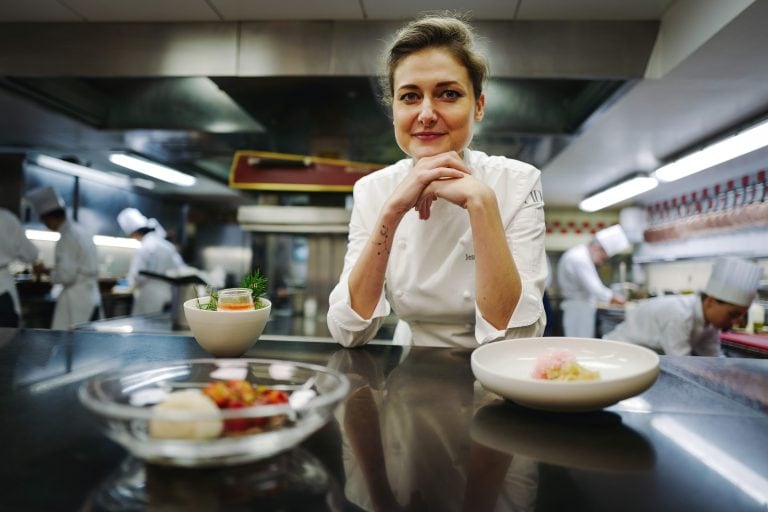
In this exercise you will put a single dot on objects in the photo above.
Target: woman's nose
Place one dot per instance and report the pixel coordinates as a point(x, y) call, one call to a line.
point(427, 115)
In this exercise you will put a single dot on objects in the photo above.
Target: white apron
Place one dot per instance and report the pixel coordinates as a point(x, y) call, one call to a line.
point(76, 303)
point(578, 318)
point(8, 284)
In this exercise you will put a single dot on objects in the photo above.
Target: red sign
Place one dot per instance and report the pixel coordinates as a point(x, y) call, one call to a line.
point(261, 170)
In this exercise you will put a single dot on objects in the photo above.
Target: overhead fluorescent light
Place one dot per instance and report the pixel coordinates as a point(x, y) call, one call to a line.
point(622, 191)
point(736, 145)
point(152, 169)
point(104, 241)
point(114, 241)
point(81, 171)
point(46, 236)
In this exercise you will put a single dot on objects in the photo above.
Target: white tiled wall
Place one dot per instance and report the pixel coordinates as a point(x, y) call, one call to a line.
point(113, 261)
point(677, 276)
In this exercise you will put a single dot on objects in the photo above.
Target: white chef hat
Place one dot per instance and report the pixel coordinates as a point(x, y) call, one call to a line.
point(159, 229)
point(734, 280)
point(612, 239)
point(45, 200)
point(131, 219)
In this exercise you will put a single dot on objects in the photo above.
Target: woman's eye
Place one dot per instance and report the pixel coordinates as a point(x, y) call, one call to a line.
point(409, 97)
point(451, 94)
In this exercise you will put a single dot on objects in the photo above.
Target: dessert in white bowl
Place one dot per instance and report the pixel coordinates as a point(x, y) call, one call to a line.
point(225, 333)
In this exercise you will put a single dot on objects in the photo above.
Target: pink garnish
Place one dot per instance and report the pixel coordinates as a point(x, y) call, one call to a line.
point(554, 360)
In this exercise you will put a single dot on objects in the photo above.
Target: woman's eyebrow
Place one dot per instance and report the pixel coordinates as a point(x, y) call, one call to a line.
point(446, 83)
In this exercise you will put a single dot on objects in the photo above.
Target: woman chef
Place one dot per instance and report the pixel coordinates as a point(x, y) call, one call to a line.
point(580, 286)
point(451, 239)
point(690, 324)
point(76, 262)
point(156, 255)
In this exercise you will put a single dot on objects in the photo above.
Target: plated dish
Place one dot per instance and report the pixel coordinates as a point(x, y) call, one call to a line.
point(169, 413)
point(507, 368)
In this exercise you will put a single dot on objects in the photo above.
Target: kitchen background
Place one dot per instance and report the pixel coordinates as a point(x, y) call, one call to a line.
point(591, 92)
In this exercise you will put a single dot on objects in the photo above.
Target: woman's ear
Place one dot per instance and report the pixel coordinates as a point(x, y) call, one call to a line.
point(480, 108)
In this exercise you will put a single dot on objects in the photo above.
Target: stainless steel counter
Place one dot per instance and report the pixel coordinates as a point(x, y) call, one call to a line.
point(416, 432)
point(279, 326)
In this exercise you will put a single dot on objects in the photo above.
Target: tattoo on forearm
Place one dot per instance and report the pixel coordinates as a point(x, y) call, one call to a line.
point(382, 245)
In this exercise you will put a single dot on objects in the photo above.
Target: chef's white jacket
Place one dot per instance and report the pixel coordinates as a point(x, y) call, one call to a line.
point(14, 245)
point(76, 267)
point(672, 325)
point(581, 289)
point(158, 255)
point(430, 278)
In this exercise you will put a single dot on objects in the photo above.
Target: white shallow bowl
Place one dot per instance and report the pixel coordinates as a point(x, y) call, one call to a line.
point(506, 368)
point(226, 333)
point(122, 402)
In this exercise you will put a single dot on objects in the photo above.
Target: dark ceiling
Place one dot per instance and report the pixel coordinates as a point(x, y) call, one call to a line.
point(197, 123)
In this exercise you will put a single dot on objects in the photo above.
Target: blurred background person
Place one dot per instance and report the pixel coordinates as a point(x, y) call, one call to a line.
point(156, 255)
point(580, 285)
point(14, 245)
point(690, 324)
point(76, 262)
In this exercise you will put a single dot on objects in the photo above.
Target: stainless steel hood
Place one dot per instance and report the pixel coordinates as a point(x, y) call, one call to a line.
point(294, 219)
point(190, 94)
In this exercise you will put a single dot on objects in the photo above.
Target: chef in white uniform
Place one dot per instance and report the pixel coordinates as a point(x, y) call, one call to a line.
point(451, 239)
point(691, 324)
point(580, 285)
point(76, 262)
point(14, 245)
point(156, 254)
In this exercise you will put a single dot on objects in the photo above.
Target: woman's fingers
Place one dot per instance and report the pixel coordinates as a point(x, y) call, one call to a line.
point(449, 160)
point(439, 173)
point(425, 207)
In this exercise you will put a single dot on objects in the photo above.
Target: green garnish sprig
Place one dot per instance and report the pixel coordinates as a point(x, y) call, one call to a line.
point(257, 283)
point(213, 302)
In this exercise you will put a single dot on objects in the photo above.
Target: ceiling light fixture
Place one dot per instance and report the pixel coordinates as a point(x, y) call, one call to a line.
point(81, 171)
point(104, 241)
point(736, 145)
point(46, 236)
point(152, 169)
point(115, 241)
point(626, 189)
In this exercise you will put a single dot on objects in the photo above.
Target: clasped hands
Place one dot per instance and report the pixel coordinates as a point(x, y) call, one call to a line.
point(443, 176)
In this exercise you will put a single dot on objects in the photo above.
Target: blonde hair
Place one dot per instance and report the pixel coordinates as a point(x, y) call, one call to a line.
point(446, 30)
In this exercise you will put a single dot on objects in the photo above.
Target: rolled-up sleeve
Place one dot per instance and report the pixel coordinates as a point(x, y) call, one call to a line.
point(525, 237)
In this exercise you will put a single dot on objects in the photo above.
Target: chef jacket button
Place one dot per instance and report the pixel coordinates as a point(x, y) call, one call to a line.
point(467, 295)
point(402, 245)
point(399, 293)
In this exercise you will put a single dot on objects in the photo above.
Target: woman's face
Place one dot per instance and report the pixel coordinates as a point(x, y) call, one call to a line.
point(433, 105)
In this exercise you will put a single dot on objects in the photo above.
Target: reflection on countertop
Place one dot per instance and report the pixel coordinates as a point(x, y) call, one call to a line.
point(279, 326)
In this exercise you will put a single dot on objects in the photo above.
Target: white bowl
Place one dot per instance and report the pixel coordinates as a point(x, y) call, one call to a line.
point(506, 367)
point(226, 333)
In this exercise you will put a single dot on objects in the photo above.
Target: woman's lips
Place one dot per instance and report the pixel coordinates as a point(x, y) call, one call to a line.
point(427, 136)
